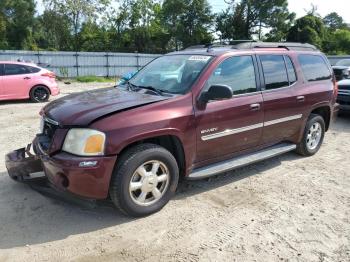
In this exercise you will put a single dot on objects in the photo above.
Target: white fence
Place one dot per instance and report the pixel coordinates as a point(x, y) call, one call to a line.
point(91, 63)
point(74, 64)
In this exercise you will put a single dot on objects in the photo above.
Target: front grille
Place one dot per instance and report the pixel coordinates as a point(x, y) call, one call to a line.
point(344, 87)
point(48, 132)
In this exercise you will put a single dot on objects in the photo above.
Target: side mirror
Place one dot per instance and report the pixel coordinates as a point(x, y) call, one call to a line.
point(216, 92)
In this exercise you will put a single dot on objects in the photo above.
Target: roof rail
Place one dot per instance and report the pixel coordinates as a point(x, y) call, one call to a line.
point(285, 45)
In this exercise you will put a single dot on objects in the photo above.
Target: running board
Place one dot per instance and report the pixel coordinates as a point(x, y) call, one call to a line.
point(241, 161)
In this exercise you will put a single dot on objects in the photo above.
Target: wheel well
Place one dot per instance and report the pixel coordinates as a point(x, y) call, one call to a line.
point(40, 85)
point(170, 143)
point(325, 112)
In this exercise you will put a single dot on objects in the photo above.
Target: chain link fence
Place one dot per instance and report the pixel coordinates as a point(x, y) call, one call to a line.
point(73, 64)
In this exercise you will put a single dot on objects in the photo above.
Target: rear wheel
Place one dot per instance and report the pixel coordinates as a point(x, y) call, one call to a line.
point(39, 94)
point(313, 136)
point(144, 180)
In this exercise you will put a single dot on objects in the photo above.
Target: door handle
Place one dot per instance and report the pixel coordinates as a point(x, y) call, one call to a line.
point(255, 107)
point(26, 78)
point(301, 98)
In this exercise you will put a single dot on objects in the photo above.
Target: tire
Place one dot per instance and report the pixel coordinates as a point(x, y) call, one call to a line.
point(125, 190)
point(306, 147)
point(39, 94)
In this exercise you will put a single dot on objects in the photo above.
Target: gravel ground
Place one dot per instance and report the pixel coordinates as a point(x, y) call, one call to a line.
point(288, 208)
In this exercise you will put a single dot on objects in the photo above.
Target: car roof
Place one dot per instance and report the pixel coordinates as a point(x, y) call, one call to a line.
point(218, 50)
point(19, 63)
point(222, 51)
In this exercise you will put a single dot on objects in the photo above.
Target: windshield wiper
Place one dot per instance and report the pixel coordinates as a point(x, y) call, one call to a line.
point(130, 86)
point(155, 90)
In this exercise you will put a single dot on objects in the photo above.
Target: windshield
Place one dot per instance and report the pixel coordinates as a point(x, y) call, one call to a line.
point(344, 62)
point(172, 74)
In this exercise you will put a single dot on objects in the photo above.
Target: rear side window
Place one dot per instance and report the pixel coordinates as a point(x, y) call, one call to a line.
point(275, 72)
point(13, 69)
point(314, 68)
point(33, 69)
point(2, 69)
point(236, 72)
point(291, 70)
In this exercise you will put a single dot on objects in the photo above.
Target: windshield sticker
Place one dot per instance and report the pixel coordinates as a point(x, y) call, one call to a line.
point(199, 58)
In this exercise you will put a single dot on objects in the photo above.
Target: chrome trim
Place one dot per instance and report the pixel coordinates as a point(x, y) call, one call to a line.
point(229, 132)
point(46, 119)
point(281, 120)
point(240, 161)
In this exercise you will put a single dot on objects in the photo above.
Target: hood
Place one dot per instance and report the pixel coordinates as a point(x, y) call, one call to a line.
point(81, 109)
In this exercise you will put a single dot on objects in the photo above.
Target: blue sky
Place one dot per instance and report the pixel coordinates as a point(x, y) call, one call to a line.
point(324, 7)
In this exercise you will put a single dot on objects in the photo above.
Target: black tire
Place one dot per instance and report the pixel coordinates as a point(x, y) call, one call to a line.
point(303, 147)
point(124, 171)
point(39, 94)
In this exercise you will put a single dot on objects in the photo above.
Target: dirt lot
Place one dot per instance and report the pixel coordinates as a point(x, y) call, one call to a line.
point(285, 209)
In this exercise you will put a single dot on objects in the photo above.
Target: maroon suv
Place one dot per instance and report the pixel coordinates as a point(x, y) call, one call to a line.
point(193, 114)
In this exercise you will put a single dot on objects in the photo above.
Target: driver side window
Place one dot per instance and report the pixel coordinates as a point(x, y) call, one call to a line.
point(238, 73)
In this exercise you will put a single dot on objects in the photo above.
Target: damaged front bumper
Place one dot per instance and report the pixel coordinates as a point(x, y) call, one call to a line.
point(23, 166)
point(61, 172)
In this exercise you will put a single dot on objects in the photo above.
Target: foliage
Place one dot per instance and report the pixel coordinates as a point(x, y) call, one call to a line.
point(308, 29)
point(247, 18)
point(88, 79)
point(159, 26)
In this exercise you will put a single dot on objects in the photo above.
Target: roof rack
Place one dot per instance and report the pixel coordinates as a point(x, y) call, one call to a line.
point(285, 45)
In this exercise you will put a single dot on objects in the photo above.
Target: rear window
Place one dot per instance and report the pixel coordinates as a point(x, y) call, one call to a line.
point(314, 68)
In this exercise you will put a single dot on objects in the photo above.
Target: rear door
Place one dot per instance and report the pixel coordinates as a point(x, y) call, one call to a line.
point(17, 81)
point(228, 126)
point(283, 113)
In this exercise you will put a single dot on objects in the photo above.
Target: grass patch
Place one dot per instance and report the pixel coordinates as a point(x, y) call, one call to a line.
point(89, 79)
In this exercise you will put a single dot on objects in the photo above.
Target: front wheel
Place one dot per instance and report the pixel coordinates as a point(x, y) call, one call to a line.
point(144, 180)
point(313, 136)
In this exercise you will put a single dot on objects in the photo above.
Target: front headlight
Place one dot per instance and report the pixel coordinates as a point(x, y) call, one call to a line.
point(84, 142)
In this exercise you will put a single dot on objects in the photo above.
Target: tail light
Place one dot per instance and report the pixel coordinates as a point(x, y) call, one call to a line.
point(49, 74)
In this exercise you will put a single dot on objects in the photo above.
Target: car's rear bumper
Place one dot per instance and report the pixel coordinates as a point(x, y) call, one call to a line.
point(54, 90)
point(63, 171)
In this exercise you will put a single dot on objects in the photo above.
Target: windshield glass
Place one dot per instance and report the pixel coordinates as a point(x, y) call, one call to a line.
point(172, 74)
point(344, 62)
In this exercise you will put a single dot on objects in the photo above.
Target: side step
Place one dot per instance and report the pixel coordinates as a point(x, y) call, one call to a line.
point(241, 161)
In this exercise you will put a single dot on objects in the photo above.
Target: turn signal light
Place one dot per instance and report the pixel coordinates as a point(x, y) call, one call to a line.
point(94, 144)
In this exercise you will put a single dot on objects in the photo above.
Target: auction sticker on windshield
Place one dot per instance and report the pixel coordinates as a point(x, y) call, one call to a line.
point(199, 58)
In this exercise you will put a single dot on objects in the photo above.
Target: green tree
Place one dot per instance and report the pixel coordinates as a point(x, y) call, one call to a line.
point(308, 29)
point(53, 31)
point(247, 18)
point(188, 22)
point(16, 23)
point(334, 21)
point(78, 12)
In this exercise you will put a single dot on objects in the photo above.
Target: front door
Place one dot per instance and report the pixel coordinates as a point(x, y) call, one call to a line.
point(228, 126)
point(16, 81)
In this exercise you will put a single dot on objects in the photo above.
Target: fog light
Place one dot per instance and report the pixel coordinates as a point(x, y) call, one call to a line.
point(88, 164)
